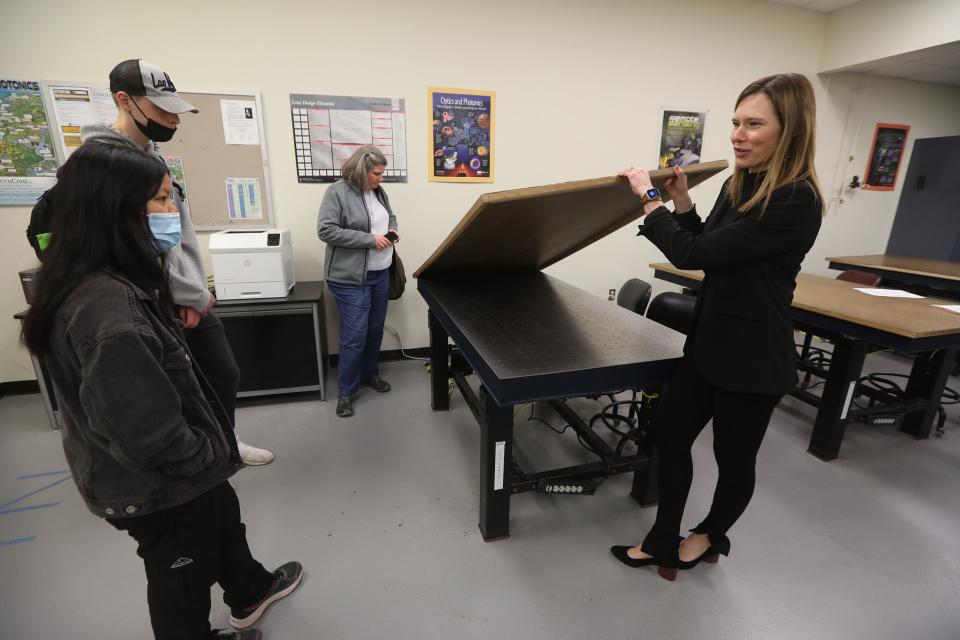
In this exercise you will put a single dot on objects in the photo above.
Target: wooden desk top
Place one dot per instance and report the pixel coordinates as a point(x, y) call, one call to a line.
point(902, 264)
point(530, 229)
point(911, 318)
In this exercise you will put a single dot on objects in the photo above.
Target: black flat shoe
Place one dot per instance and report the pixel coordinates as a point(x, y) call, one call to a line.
point(710, 556)
point(620, 553)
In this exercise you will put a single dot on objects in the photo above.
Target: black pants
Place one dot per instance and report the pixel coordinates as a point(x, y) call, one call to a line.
point(739, 423)
point(209, 346)
point(185, 550)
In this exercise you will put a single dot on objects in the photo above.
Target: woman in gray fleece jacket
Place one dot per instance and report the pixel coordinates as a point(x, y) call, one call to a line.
point(359, 227)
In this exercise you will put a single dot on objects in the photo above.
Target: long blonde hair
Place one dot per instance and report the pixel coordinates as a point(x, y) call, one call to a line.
point(360, 163)
point(792, 160)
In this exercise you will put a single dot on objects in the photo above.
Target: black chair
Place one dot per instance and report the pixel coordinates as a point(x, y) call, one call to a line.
point(674, 310)
point(634, 295)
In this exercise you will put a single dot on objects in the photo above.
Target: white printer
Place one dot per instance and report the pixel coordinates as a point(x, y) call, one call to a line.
point(252, 263)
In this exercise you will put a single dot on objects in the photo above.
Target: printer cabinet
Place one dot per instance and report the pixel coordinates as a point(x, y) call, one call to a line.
point(279, 343)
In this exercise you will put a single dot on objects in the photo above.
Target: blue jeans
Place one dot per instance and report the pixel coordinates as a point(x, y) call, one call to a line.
point(363, 310)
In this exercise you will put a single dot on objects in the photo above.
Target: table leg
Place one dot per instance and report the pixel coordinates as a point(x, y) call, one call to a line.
point(496, 448)
point(439, 365)
point(645, 481)
point(845, 367)
point(927, 379)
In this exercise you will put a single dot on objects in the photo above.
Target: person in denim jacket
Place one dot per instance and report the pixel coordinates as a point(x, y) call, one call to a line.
point(148, 443)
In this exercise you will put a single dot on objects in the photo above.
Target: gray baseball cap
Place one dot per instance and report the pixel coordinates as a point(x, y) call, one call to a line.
point(142, 78)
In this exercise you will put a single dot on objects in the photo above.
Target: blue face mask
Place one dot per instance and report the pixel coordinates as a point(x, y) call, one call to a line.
point(165, 228)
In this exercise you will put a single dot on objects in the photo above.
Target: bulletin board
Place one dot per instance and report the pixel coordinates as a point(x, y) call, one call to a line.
point(227, 182)
point(219, 177)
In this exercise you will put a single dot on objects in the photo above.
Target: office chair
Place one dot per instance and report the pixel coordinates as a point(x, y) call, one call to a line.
point(634, 295)
point(860, 277)
point(673, 310)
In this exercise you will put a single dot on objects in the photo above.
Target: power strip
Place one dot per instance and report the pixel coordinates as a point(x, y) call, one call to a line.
point(568, 487)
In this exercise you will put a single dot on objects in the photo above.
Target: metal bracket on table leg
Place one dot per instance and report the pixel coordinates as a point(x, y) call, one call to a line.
point(838, 391)
point(496, 450)
point(927, 380)
point(439, 365)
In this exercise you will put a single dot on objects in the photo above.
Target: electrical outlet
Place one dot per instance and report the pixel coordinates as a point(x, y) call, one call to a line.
point(612, 294)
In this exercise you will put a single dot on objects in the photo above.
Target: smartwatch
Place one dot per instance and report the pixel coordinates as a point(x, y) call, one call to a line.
point(649, 195)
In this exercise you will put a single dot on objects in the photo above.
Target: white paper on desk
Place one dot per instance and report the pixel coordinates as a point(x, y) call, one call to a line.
point(949, 307)
point(887, 293)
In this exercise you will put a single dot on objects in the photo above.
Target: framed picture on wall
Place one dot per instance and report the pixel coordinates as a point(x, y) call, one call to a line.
point(889, 146)
point(461, 124)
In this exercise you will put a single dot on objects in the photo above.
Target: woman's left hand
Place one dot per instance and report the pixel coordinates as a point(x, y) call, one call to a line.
point(639, 179)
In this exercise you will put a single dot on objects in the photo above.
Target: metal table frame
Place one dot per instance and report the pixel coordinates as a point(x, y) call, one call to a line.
point(935, 356)
point(493, 407)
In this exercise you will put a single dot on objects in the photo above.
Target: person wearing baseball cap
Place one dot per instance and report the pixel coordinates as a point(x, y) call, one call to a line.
point(148, 112)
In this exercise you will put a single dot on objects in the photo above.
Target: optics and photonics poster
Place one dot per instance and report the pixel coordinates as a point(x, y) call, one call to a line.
point(28, 165)
point(328, 129)
point(681, 138)
point(461, 125)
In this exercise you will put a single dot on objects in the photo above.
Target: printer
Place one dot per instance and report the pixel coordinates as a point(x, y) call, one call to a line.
point(252, 263)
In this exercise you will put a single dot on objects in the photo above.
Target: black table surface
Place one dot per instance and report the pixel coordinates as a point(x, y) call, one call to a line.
point(530, 336)
point(309, 291)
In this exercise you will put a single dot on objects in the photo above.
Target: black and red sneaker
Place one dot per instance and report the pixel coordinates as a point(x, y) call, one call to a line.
point(285, 580)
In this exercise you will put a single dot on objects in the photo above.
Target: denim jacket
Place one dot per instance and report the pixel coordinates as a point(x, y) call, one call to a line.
point(139, 432)
point(343, 222)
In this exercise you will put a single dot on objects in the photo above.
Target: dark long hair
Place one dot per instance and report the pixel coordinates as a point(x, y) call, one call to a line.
point(99, 208)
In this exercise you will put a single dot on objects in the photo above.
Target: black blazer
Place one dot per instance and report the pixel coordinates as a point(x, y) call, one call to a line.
point(742, 337)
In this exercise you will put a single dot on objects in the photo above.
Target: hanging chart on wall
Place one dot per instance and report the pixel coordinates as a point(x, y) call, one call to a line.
point(328, 129)
point(889, 145)
point(73, 106)
point(28, 162)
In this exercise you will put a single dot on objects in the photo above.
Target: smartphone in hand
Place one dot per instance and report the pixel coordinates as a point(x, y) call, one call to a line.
point(391, 236)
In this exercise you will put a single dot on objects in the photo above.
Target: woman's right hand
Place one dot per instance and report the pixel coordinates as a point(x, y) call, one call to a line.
point(382, 242)
point(677, 188)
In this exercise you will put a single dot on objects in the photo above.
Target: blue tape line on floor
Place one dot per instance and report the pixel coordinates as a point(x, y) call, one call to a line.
point(34, 492)
point(36, 506)
point(43, 473)
point(17, 540)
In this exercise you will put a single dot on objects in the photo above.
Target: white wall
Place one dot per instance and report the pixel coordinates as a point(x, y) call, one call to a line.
point(579, 87)
point(874, 29)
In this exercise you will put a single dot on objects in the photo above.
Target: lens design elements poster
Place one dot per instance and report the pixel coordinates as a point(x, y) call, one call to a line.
point(461, 125)
point(28, 165)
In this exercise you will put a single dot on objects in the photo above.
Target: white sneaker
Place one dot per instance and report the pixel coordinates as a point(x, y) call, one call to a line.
point(252, 455)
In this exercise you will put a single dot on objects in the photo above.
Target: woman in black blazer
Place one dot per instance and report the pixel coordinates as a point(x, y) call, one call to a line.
point(739, 358)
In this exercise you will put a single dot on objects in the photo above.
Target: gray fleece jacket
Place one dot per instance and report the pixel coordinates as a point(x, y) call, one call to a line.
point(188, 278)
point(343, 222)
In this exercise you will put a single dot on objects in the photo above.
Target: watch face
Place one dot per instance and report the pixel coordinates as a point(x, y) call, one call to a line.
point(653, 194)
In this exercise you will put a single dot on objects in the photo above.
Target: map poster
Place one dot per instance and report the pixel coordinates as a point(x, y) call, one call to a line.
point(681, 138)
point(28, 165)
point(328, 129)
point(175, 165)
point(461, 135)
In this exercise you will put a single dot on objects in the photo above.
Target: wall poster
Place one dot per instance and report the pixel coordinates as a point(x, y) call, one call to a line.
point(28, 164)
point(461, 125)
point(681, 137)
point(889, 145)
point(328, 129)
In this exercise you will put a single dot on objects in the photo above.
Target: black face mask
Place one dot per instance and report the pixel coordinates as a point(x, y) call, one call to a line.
point(153, 129)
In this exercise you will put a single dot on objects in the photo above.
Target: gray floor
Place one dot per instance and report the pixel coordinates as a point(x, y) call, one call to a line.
point(382, 511)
